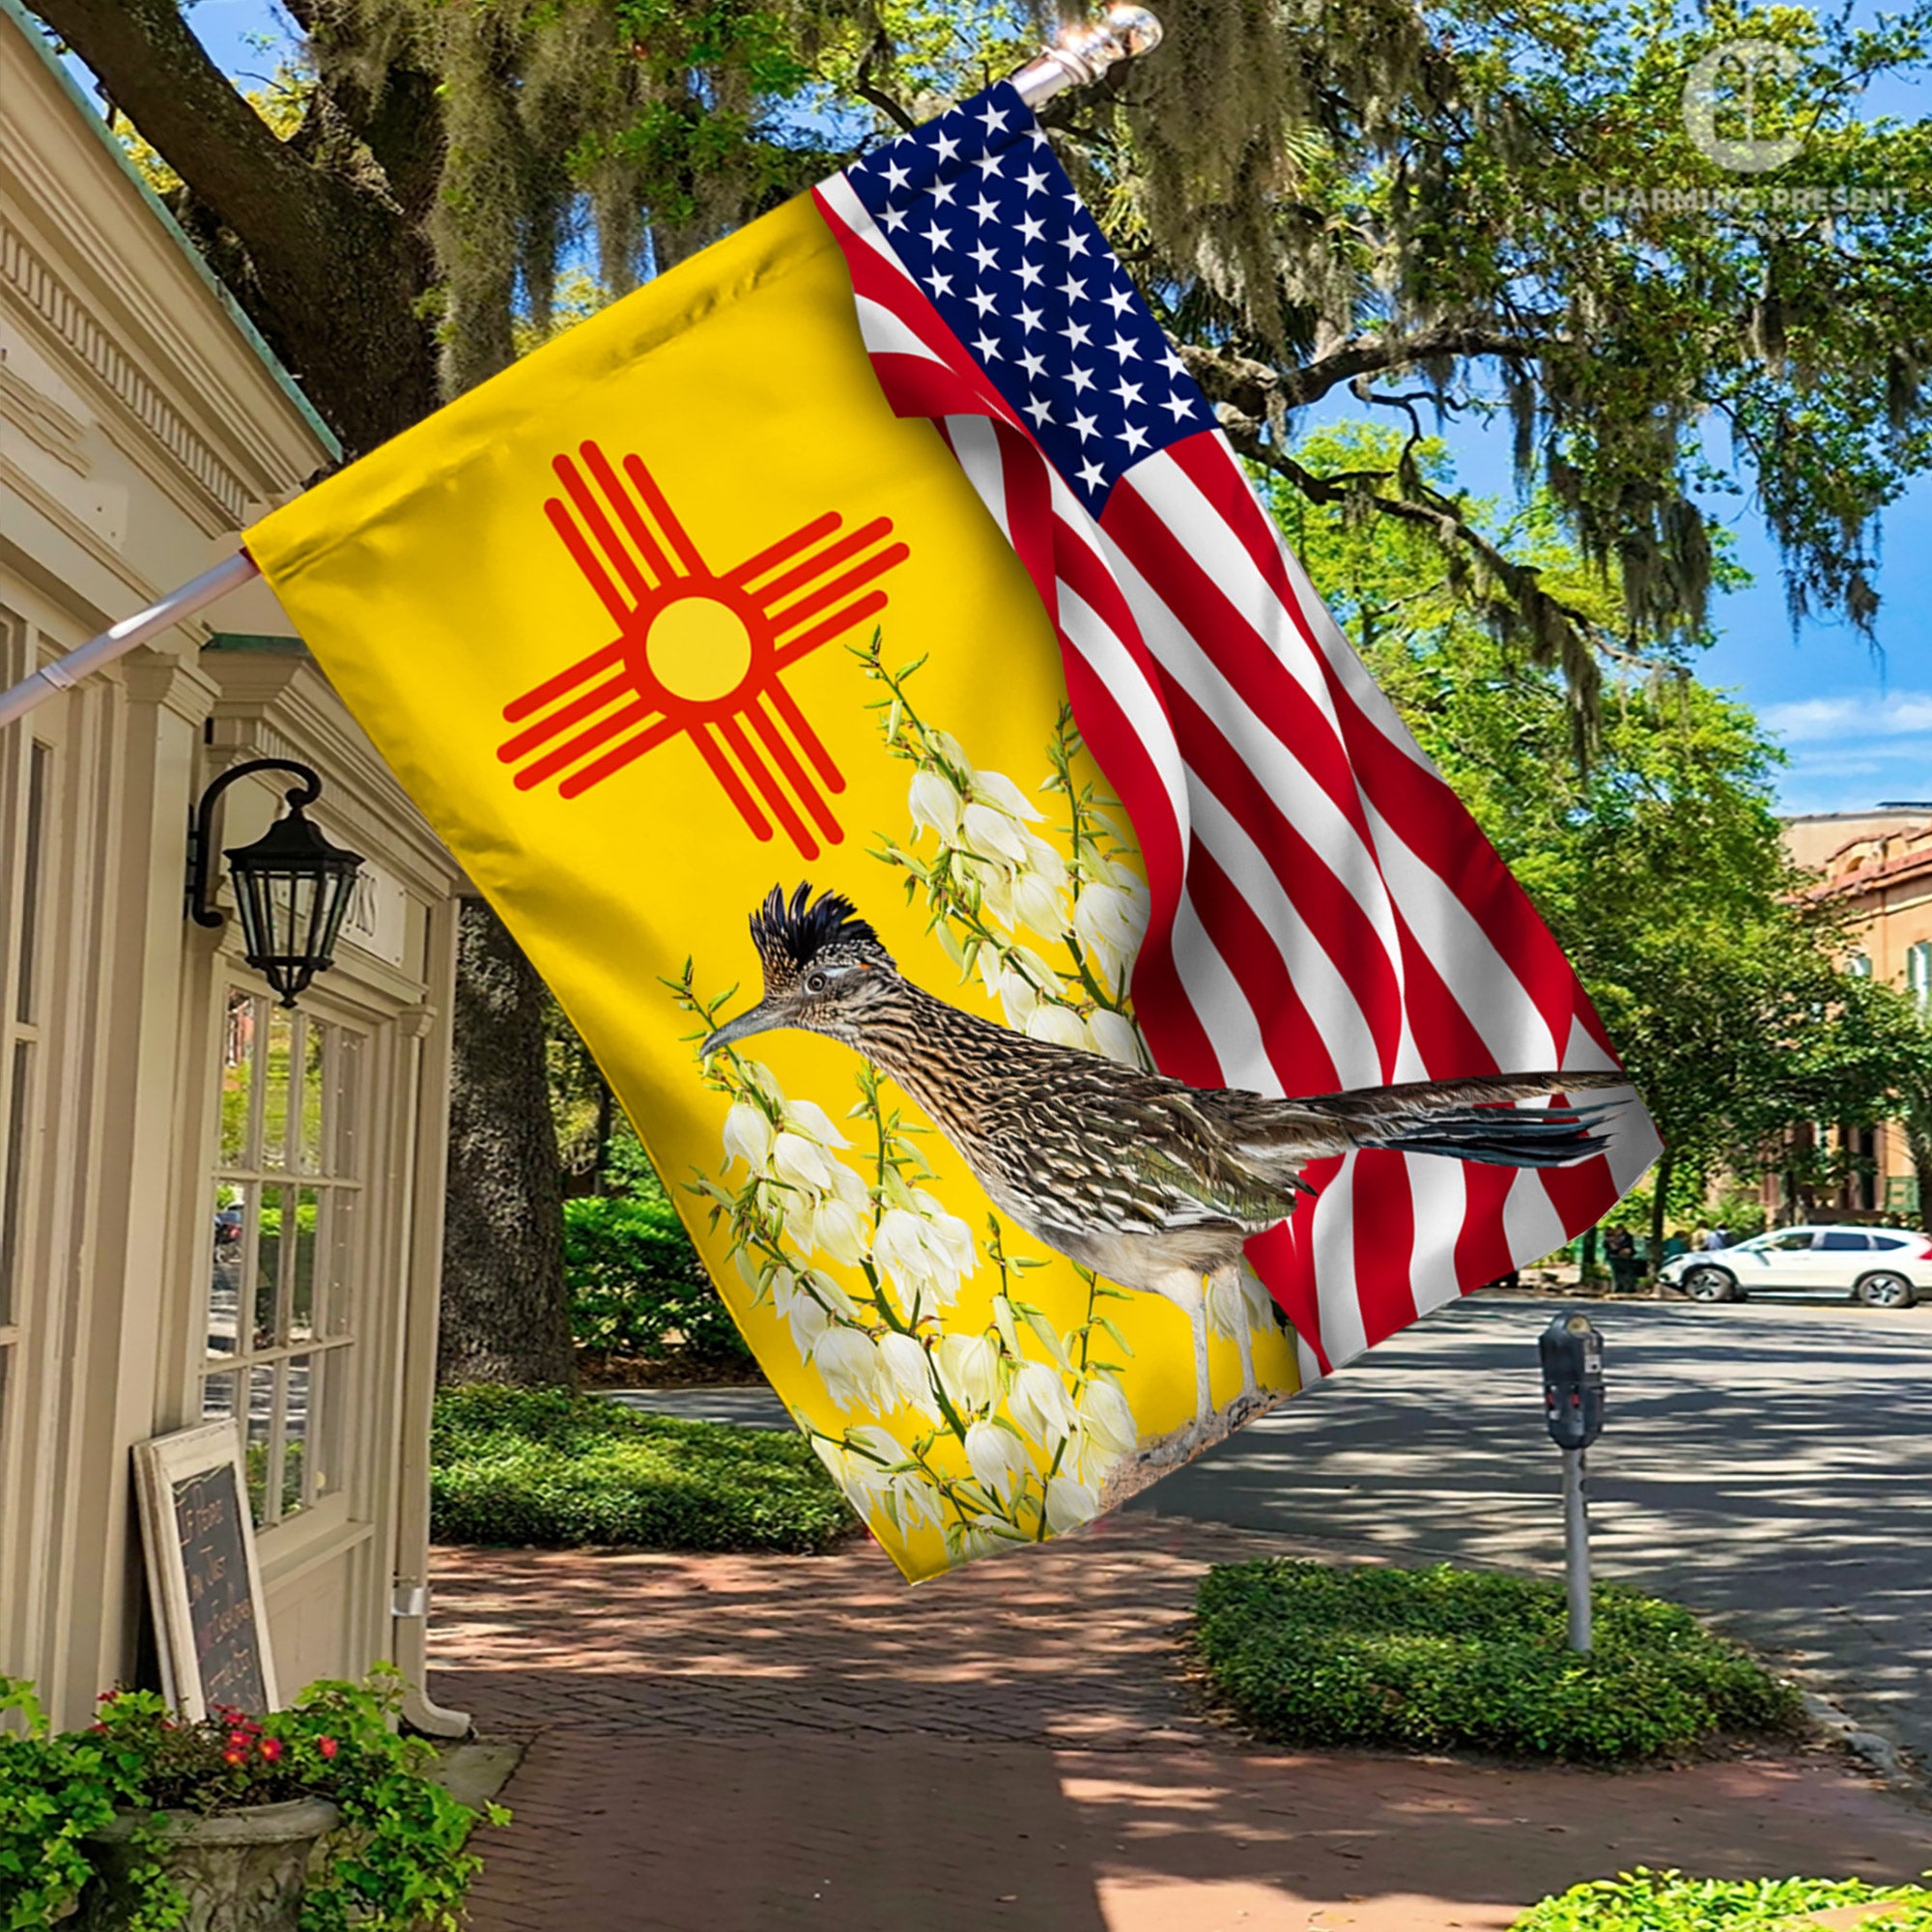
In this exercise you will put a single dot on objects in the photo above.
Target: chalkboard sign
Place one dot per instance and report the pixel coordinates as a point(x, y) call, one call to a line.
point(202, 1572)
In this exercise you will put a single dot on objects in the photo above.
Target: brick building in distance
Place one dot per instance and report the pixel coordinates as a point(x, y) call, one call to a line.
point(1879, 864)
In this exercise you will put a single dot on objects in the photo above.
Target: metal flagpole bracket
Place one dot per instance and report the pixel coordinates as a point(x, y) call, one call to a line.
point(1082, 54)
point(51, 679)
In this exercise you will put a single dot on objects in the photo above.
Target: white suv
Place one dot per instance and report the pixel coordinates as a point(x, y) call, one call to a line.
point(1882, 1267)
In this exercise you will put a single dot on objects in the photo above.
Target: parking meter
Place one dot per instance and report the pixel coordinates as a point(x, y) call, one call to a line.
point(1573, 1381)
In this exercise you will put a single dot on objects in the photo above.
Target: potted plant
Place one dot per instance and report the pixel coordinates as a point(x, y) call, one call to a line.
point(313, 1819)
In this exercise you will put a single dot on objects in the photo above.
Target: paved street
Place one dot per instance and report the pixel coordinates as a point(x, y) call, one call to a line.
point(1770, 1463)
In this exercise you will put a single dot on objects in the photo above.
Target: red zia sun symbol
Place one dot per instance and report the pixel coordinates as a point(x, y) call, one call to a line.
point(696, 651)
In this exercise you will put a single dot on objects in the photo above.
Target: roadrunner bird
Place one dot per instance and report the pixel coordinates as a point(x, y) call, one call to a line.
point(1148, 1181)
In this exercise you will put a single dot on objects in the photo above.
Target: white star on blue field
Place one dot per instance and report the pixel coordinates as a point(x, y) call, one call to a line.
point(989, 227)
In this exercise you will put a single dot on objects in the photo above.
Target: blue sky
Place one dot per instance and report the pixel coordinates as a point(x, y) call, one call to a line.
point(1855, 723)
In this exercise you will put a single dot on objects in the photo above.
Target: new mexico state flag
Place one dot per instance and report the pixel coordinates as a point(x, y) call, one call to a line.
point(611, 618)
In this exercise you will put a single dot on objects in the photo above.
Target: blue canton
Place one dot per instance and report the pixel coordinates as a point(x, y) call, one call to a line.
point(990, 229)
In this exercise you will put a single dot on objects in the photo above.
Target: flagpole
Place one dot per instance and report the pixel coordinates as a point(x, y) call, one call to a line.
point(51, 679)
point(1082, 54)
point(1078, 58)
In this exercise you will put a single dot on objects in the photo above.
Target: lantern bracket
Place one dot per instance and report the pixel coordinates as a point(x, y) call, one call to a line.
point(200, 838)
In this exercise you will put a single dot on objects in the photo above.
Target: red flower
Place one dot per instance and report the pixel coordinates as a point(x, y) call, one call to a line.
point(271, 1748)
point(234, 1757)
point(237, 1739)
point(327, 1746)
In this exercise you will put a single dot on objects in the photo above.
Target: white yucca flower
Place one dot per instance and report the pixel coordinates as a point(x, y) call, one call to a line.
point(953, 1238)
point(1018, 995)
point(982, 1536)
point(990, 832)
point(795, 1159)
point(810, 1118)
point(1044, 861)
point(1039, 905)
point(1039, 1403)
point(912, 1381)
point(848, 1359)
point(925, 1258)
point(848, 1188)
point(968, 1370)
point(951, 749)
point(1070, 1503)
point(935, 805)
point(1060, 1024)
point(839, 1231)
point(1105, 1419)
point(998, 1457)
point(838, 1462)
point(748, 1136)
point(919, 1504)
point(806, 1320)
point(1116, 1036)
point(997, 788)
point(1109, 925)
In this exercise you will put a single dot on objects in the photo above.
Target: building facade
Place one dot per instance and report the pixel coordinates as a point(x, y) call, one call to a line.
point(211, 1207)
point(1882, 873)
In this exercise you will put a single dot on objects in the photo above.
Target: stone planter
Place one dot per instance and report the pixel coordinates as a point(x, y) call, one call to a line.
point(239, 1871)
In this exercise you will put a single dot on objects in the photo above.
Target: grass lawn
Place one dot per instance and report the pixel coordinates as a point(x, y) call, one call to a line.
point(1308, 1654)
point(543, 1466)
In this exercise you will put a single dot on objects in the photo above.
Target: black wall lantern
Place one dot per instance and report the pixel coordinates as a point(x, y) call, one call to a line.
point(292, 886)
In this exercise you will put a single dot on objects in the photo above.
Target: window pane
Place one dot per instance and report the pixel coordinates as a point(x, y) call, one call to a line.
point(309, 1151)
point(345, 1159)
point(237, 1077)
point(302, 1294)
point(218, 1398)
point(224, 1274)
point(39, 772)
point(261, 1431)
point(1844, 1243)
point(327, 1398)
point(344, 1213)
point(297, 1397)
point(275, 1097)
point(270, 1242)
point(13, 1201)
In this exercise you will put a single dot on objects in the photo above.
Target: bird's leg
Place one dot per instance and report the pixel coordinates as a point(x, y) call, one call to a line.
point(1204, 1391)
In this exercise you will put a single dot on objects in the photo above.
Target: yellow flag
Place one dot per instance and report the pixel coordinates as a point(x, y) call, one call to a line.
point(637, 625)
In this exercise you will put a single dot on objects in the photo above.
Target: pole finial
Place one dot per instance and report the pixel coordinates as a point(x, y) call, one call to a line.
point(1080, 55)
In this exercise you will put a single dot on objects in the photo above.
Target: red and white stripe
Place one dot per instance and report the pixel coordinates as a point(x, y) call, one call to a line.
point(1326, 914)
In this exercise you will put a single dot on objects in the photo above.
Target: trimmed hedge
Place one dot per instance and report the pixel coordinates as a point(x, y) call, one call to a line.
point(548, 1468)
point(637, 1289)
point(1306, 1654)
point(1647, 1901)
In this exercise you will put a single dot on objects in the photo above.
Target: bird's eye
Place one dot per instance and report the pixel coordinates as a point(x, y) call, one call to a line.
point(816, 983)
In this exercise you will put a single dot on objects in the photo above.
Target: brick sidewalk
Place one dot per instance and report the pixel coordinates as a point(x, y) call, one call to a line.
point(731, 1743)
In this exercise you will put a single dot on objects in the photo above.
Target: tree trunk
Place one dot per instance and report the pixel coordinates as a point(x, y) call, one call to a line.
point(1660, 1200)
point(504, 1314)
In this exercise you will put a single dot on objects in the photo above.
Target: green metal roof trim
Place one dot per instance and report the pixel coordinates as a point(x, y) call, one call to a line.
point(256, 640)
point(32, 31)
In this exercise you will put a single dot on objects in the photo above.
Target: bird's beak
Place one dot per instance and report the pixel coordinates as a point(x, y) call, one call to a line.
point(761, 1018)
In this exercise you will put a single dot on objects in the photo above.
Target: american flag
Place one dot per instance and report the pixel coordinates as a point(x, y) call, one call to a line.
point(1326, 914)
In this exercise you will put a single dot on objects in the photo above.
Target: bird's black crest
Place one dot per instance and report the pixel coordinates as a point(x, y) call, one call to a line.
point(791, 934)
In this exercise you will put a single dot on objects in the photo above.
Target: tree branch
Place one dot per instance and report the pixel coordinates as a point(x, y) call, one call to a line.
point(1262, 391)
point(159, 75)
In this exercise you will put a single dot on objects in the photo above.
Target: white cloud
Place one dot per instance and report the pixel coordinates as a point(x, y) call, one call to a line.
point(1836, 719)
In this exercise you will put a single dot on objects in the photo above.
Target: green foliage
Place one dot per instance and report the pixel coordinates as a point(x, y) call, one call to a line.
point(637, 1289)
point(1426, 1658)
point(1650, 1901)
point(543, 1466)
point(1657, 862)
point(398, 1864)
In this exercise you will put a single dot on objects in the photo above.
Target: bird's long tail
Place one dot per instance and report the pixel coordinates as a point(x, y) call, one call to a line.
point(1471, 1120)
